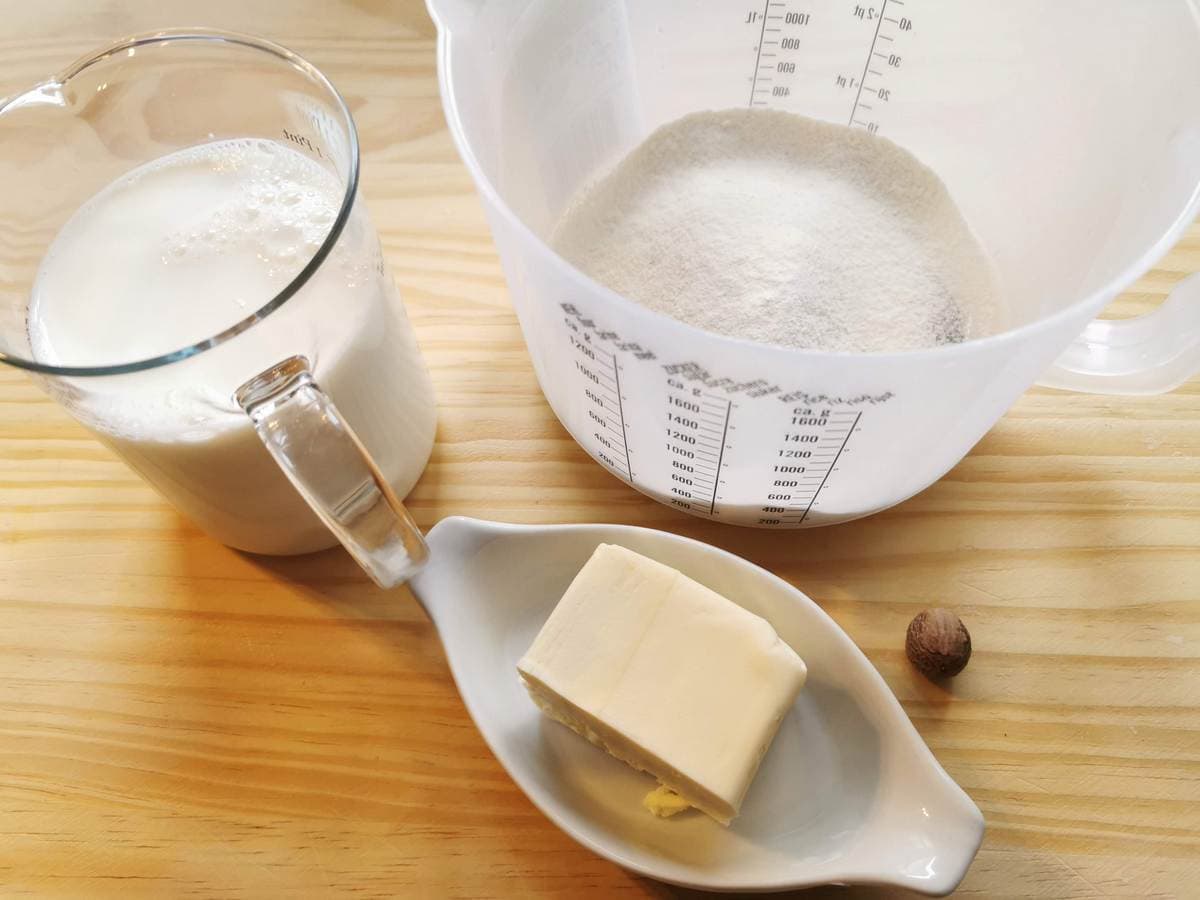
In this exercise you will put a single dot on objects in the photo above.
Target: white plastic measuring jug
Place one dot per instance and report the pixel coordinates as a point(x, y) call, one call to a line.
point(1069, 134)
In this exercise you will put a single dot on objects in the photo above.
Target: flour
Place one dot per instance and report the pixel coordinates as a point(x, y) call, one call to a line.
point(777, 228)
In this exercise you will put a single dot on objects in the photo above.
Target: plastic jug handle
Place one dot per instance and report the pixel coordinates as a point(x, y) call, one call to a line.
point(325, 461)
point(1150, 354)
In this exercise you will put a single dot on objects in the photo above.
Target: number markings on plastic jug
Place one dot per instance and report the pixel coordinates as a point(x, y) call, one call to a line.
point(791, 68)
point(882, 57)
point(776, 35)
point(697, 429)
point(841, 448)
point(705, 442)
point(605, 408)
point(613, 437)
point(697, 421)
point(812, 442)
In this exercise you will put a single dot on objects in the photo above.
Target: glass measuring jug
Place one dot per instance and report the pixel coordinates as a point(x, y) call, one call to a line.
point(1068, 133)
point(203, 185)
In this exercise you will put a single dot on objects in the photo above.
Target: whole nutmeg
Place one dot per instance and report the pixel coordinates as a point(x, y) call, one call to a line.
point(938, 643)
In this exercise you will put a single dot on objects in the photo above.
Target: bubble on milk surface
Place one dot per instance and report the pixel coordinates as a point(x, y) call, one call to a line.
point(282, 216)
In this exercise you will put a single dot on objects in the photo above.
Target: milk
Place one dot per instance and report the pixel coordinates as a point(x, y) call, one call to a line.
point(178, 250)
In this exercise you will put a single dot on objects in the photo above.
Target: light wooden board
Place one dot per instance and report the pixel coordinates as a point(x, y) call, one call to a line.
point(178, 719)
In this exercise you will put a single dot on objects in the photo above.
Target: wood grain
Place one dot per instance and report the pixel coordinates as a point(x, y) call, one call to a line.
point(179, 719)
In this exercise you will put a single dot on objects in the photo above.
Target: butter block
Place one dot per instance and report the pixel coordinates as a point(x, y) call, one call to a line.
point(666, 675)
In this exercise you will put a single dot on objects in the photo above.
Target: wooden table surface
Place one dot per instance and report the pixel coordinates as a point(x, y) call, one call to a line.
point(180, 719)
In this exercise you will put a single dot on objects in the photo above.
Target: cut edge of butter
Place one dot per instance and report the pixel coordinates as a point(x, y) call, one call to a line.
point(609, 740)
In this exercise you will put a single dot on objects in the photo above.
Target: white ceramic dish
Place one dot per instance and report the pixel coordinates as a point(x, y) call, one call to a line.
point(848, 793)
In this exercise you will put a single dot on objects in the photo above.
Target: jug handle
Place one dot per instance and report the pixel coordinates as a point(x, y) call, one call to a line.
point(328, 465)
point(1150, 354)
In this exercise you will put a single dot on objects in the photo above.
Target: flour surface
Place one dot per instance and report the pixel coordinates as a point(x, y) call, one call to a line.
point(777, 228)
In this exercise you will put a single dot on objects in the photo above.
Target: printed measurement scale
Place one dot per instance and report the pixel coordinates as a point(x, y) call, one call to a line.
point(709, 445)
point(790, 73)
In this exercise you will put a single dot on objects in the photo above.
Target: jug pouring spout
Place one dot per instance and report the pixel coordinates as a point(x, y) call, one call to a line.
point(47, 94)
point(32, 123)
